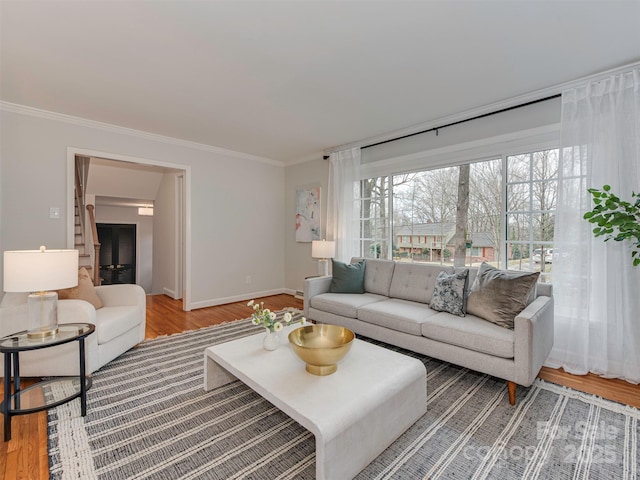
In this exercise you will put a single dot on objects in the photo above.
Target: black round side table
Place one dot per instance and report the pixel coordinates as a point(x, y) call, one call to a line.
point(60, 389)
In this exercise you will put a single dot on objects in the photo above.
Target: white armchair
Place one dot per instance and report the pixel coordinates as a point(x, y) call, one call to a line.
point(120, 325)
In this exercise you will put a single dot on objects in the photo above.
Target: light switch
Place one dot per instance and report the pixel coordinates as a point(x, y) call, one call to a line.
point(54, 212)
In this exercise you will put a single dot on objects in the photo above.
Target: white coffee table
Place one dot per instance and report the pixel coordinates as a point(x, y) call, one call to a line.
point(355, 413)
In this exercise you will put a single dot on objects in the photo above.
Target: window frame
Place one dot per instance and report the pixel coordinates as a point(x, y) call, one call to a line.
point(501, 147)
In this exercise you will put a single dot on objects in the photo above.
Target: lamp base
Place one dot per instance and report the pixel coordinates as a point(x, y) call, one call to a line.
point(323, 267)
point(42, 334)
point(42, 310)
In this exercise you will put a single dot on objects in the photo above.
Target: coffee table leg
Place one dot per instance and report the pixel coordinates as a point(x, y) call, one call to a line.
point(372, 432)
point(214, 375)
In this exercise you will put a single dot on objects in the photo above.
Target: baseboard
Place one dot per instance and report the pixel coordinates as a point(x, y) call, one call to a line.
point(170, 293)
point(240, 298)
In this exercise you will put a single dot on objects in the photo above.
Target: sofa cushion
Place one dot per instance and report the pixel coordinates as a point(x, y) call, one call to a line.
point(344, 304)
point(471, 277)
point(347, 278)
point(415, 281)
point(470, 332)
point(401, 315)
point(450, 292)
point(377, 276)
point(114, 321)
point(499, 295)
point(83, 291)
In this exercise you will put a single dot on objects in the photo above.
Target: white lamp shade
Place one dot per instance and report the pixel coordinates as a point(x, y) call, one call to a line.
point(323, 249)
point(40, 270)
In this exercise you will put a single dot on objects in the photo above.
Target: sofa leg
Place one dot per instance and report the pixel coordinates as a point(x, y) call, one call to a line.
point(512, 392)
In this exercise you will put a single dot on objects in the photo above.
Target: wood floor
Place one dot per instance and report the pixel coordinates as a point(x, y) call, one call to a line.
point(25, 455)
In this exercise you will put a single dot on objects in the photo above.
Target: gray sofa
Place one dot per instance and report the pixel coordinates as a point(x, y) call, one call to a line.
point(395, 309)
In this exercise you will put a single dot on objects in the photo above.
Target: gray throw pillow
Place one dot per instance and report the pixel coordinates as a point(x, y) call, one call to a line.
point(448, 293)
point(499, 295)
point(347, 278)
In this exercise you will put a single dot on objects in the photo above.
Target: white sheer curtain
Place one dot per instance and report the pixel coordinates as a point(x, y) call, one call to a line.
point(596, 288)
point(342, 203)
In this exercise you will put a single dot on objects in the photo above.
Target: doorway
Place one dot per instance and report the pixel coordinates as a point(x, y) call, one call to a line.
point(182, 268)
point(117, 253)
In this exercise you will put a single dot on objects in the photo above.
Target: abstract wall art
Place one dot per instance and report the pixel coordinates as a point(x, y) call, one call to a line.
point(308, 214)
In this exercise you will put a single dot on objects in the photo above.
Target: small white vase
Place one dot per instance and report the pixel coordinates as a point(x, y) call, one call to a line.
point(270, 341)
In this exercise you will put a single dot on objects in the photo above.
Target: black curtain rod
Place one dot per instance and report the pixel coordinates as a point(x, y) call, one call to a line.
point(435, 129)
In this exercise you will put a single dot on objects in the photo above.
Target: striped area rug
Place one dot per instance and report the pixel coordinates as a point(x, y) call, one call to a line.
point(149, 417)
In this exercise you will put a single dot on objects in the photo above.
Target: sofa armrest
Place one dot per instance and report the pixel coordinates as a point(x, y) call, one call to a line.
point(314, 286)
point(56, 361)
point(533, 339)
point(121, 295)
point(13, 319)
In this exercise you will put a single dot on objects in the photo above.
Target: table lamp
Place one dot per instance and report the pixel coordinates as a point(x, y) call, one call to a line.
point(323, 250)
point(38, 272)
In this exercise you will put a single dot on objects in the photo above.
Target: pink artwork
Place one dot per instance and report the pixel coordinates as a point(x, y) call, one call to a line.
point(308, 214)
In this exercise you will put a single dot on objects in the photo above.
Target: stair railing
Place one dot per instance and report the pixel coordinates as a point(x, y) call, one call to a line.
point(96, 245)
point(79, 191)
point(81, 174)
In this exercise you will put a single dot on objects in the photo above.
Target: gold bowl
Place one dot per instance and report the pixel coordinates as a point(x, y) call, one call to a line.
point(321, 346)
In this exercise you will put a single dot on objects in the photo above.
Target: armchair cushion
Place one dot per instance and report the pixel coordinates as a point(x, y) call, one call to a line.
point(83, 291)
point(115, 321)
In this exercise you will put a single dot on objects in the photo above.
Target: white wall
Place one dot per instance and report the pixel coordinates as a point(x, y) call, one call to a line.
point(532, 116)
point(237, 202)
point(120, 179)
point(298, 255)
point(242, 226)
point(164, 226)
point(144, 240)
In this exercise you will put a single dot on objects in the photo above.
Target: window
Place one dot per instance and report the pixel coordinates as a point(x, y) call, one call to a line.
point(531, 188)
point(509, 204)
point(374, 222)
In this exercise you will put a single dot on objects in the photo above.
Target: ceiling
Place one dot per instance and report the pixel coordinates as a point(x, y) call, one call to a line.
point(288, 80)
point(123, 184)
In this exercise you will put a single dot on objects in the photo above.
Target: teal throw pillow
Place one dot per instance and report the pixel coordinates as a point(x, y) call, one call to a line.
point(347, 278)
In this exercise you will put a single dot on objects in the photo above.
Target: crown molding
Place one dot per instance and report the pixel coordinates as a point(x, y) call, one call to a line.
point(83, 122)
point(307, 158)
